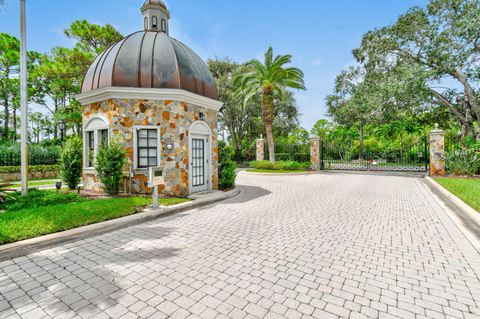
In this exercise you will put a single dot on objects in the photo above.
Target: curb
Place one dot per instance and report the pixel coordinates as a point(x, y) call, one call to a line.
point(28, 246)
point(281, 174)
point(471, 213)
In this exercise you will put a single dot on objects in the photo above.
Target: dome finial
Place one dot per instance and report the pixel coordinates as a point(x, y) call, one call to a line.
point(155, 16)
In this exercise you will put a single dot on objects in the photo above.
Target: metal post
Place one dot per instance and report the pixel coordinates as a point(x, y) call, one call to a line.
point(425, 155)
point(322, 159)
point(155, 197)
point(23, 99)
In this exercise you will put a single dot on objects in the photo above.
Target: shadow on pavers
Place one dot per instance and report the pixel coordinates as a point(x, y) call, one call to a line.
point(84, 275)
point(247, 193)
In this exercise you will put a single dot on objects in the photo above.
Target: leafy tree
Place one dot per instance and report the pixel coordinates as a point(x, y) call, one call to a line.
point(268, 79)
point(322, 128)
point(9, 67)
point(438, 44)
point(71, 159)
point(92, 37)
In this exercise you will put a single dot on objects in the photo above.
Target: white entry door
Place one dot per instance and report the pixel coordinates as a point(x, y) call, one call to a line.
point(200, 163)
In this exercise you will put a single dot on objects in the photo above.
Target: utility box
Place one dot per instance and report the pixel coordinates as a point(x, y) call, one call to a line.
point(155, 176)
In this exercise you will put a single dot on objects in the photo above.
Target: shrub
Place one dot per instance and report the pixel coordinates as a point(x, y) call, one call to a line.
point(227, 166)
point(281, 165)
point(463, 162)
point(109, 165)
point(288, 165)
point(71, 162)
point(32, 169)
point(228, 174)
point(263, 165)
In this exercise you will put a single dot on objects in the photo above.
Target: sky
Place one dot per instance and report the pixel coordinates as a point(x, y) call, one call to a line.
point(319, 34)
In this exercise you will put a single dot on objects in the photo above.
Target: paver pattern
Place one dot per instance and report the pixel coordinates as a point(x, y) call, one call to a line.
point(313, 246)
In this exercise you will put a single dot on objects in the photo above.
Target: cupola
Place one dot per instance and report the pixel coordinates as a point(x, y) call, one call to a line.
point(155, 16)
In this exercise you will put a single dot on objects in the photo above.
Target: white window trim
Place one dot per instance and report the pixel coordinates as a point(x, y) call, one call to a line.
point(135, 129)
point(96, 140)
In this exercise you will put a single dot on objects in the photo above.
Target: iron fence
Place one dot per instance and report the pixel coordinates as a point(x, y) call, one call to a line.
point(406, 157)
point(13, 159)
point(290, 152)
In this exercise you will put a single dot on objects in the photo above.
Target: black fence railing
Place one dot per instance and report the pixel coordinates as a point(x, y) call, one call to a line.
point(290, 152)
point(13, 159)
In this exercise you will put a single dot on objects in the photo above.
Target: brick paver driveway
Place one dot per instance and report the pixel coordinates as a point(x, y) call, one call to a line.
point(322, 246)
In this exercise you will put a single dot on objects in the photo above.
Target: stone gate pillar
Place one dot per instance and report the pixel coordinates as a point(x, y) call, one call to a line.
point(315, 153)
point(437, 152)
point(260, 149)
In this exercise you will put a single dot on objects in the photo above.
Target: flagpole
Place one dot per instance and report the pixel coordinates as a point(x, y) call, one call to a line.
point(23, 100)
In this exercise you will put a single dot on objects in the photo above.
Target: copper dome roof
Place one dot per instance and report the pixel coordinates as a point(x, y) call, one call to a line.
point(148, 59)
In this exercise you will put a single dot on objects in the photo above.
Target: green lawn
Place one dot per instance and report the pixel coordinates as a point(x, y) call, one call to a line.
point(467, 189)
point(276, 171)
point(22, 221)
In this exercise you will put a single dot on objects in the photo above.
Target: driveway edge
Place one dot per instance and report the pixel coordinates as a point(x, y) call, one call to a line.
point(28, 246)
point(467, 210)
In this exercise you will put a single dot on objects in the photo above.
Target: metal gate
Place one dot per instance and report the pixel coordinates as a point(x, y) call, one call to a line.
point(407, 157)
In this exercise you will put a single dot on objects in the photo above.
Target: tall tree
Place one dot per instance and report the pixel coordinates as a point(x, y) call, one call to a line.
point(62, 71)
point(9, 68)
point(441, 43)
point(267, 79)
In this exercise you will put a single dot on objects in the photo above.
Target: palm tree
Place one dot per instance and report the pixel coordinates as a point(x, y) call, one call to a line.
point(269, 79)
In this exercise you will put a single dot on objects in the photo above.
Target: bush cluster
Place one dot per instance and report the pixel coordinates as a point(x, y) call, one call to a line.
point(227, 167)
point(281, 165)
point(463, 162)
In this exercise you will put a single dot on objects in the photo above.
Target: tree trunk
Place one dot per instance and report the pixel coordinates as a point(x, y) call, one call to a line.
point(6, 121)
point(360, 155)
point(267, 114)
point(55, 125)
point(14, 123)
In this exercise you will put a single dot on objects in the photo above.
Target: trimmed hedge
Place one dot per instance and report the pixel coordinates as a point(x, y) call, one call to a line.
point(32, 169)
point(281, 165)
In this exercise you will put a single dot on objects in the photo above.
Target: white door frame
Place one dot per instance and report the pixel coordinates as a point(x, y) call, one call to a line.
point(200, 129)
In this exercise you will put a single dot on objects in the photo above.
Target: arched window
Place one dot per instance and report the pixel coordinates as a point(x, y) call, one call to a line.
point(145, 24)
point(164, 25)
point(154, 23)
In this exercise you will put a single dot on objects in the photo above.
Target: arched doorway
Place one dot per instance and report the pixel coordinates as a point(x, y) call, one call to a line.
point(200, 157)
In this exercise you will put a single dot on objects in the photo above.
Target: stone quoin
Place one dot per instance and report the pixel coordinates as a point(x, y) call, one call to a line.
point(160, 98)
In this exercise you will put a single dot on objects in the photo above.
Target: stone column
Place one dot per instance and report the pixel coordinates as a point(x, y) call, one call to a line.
point(437, 152)
point(314, 153)
point(260, 149)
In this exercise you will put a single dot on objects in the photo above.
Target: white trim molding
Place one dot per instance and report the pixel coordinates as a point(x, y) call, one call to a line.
point(147, 94)
point(94, 124)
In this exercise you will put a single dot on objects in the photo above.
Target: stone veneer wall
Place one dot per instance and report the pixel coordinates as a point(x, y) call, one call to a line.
point(437, 152)
point(315, 153)
point(174, 119)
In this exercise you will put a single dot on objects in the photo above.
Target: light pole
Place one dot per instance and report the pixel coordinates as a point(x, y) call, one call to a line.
point(23, 100)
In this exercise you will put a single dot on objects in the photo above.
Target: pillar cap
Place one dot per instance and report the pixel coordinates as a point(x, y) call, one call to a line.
point(437, 130)
point(314, 137)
